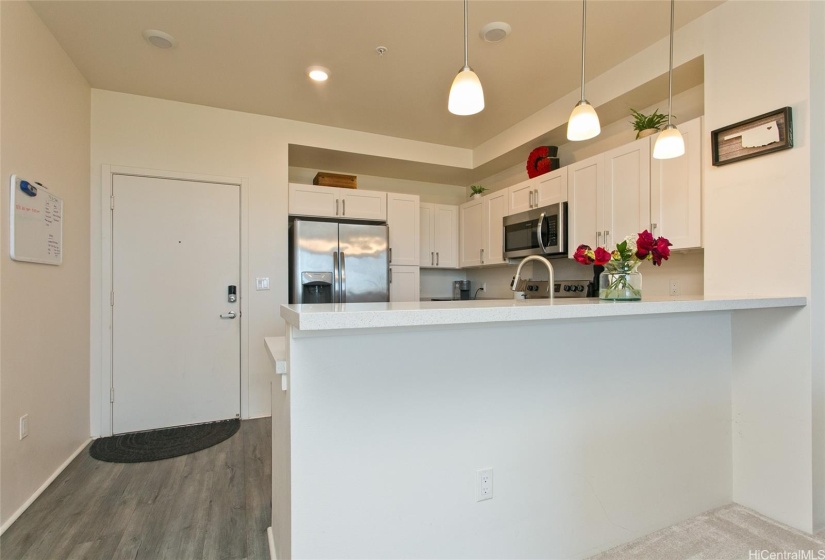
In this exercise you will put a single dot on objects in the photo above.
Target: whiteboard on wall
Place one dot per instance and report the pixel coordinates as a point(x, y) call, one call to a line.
point(36, 223)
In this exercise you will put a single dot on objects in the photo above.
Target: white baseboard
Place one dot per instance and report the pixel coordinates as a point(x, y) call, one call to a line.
point(270, 536)
point(265, 415)
point(43, 487)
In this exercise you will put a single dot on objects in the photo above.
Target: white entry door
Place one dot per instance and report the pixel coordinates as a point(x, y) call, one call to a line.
point(175, 336)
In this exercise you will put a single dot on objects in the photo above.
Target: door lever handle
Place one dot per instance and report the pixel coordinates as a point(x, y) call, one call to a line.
point(230, 315)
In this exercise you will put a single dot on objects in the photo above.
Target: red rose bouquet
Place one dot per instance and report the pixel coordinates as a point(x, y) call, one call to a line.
point(620, 280)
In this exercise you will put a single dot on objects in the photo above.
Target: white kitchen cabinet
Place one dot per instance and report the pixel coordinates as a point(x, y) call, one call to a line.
point(494, 207)
point(585, 190)
point(405, 282)
point(626, 201)
point(311, 200)
point(403, 218)
point(676, 191)
point(470, 245)
point(439, 236)
point(521, 196)
point(481, 229)
point(551, 187)
point(609, 196)
point(625, 191)
point(333, 202)
point(543, 190)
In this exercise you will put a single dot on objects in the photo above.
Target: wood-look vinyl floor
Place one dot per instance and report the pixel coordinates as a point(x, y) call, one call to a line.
point(211, 504)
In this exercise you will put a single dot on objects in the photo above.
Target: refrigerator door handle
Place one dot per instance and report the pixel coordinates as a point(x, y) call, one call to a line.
point(335, 297)
point(343, 278)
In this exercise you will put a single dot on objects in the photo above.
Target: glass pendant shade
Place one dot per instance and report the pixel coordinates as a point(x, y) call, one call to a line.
point(583, 123)
point(669, 144)
point(466, 94)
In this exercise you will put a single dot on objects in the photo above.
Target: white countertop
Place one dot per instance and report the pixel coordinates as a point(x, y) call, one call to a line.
point(330, 317)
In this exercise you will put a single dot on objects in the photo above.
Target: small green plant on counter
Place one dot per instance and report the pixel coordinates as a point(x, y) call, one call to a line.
point(477, 189)
point(644, 122)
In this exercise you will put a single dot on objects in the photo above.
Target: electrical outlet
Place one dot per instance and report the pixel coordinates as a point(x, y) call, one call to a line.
point(24, 426)
point(484, 484)
point(484, 286)
point(674, 287)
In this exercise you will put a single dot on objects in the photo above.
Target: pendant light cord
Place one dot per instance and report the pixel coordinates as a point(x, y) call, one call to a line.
point(670, 68)
point(584, 36)
point(466, 59)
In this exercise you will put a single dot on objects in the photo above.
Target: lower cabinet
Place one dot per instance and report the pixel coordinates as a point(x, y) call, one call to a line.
point(405, 282)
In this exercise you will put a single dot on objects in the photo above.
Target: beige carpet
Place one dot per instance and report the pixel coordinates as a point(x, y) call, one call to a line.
point(729, 533)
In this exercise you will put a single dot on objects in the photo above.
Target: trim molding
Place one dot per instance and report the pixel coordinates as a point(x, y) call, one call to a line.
point(270, 537)
point(43, 487)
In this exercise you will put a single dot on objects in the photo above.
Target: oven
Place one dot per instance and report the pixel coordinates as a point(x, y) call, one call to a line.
point(540, 231)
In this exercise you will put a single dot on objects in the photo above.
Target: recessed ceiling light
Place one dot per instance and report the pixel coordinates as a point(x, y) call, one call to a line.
point(495, 31)
point(159, 39)
point(318, 73)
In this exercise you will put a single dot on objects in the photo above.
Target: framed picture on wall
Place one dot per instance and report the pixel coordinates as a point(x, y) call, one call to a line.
point(753, 137)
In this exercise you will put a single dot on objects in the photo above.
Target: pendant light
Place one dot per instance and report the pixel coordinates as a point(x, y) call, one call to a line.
point(584, 122)
point(466, 95)
point(670, 143)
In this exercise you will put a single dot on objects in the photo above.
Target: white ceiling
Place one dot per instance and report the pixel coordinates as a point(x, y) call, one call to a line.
point(252, 56)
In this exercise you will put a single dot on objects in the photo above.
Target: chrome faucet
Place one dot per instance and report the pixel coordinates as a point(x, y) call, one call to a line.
point(550, 284)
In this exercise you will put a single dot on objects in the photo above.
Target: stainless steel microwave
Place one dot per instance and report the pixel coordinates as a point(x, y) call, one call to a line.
point(540, 231)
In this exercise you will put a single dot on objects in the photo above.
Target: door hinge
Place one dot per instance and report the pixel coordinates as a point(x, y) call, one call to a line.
point(112, 202)
point(112, 395)
point(112, 298)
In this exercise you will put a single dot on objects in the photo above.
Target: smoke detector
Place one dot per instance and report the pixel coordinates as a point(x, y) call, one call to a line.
point(159, 39)
point(495, 31)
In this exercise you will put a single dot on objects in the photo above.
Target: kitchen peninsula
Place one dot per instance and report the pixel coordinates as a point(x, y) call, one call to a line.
point(601, 422)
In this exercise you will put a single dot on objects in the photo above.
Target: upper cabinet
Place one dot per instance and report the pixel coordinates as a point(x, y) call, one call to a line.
point(625, 191)
point(551, 187)
point(403, 218)
point(482, 234)
point(332, 202)
point(439, 236)
point(522, 196)
point(585, 189)
point(626, 201)
point(494, 207)
point(543, 190)
point(470, 245)
point(676, 191)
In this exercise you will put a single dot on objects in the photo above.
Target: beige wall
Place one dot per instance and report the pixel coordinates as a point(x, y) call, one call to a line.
point(45, 321)
point(755, 210)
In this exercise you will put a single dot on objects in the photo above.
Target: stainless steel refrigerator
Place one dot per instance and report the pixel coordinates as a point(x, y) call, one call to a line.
point(338, 262)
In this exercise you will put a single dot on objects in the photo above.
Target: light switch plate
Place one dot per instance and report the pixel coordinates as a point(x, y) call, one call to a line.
point(261, 283)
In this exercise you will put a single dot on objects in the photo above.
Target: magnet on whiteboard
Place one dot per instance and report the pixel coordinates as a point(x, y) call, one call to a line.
point(28, 188)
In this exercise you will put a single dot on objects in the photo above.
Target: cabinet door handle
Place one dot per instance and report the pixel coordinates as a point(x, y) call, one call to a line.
point(336, 206)
point(606, 233)
point(536, 198)
point(598, 237)
point(343, 207)
point(531, 199)
point(390, 255)
point(652, 227)
point(437, 259)
point(482, 256)
point(432, 258)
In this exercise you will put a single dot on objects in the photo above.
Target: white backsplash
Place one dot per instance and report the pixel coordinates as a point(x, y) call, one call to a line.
point(686, 268)
point(438, 282)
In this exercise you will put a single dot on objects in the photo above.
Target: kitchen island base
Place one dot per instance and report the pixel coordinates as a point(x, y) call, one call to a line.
point(598, 431)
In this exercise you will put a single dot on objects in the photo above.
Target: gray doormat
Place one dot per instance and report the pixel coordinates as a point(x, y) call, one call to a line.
point(154, 445)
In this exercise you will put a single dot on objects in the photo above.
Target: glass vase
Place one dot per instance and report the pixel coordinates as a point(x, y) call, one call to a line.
point(620, 281)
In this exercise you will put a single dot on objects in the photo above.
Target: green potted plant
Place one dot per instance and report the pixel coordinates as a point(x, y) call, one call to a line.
point(477, 191)
point(645, 125)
